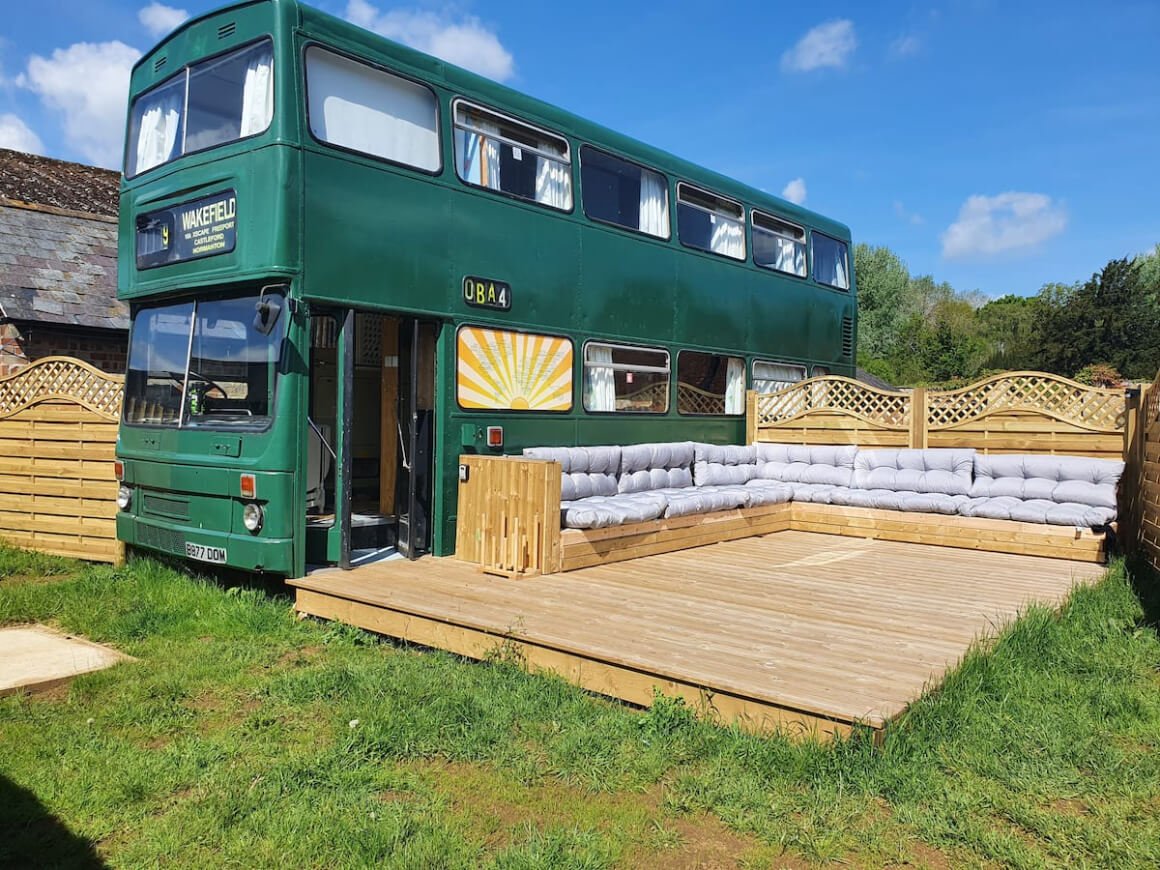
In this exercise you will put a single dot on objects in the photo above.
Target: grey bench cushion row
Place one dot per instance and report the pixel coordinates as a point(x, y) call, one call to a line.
point(610, 485)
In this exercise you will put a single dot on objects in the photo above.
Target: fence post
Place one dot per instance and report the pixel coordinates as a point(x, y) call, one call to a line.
point(918, 422)
point(751, 417)
point(1132, 501)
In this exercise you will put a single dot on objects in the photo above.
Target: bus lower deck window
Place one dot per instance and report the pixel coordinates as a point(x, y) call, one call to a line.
point(709, 383)
point(625, 378)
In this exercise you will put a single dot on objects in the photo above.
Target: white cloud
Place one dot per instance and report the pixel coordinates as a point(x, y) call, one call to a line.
point(18, 136)
point(1011, 221)
point(795, 191)
point(87, 84)
point(911, 217)
point(465, 42)
point(827, 45)
point(905, 46)
point(159, 19)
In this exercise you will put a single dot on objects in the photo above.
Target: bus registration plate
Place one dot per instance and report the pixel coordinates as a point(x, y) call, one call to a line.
point(203, 553)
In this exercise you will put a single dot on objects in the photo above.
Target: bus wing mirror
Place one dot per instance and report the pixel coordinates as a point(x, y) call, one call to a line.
point(267, 311)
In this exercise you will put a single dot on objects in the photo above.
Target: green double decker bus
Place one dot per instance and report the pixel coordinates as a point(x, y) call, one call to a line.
point(349, 263)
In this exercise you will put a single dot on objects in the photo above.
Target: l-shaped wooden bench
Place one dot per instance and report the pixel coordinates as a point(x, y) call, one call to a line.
point(509, 524)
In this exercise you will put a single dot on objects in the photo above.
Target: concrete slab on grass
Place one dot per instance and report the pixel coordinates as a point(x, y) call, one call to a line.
point(34, 658)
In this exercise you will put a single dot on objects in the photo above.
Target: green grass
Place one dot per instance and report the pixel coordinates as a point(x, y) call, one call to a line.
point(243, 737)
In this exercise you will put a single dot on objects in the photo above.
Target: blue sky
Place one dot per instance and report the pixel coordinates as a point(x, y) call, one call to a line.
point(997, 146)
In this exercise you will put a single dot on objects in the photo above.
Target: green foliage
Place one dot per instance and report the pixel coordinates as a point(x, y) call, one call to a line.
point(916, 331)
point(1099, 375)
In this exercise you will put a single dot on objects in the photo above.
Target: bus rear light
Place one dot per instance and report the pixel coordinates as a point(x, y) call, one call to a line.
point(124, 497)
point(119, 469)
point(249, 486)
point(495, 436)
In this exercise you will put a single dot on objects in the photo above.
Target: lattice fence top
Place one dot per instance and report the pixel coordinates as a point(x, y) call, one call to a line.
point(693, 400)
point(58, 377)
point(1034, 392)
point(834, 394)
point(1152, 404)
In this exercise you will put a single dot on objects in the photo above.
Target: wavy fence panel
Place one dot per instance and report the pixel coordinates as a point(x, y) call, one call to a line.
point(1144, 469)
point(58, 431)
point(831, 410)
point(1029, 412)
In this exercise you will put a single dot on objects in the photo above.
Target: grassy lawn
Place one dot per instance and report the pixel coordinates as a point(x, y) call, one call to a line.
point(242, 737)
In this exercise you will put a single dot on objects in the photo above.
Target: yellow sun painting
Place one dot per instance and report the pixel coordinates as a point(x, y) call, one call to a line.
point(516, 371)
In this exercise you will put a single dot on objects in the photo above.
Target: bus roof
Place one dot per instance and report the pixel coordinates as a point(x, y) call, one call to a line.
point(504, 98)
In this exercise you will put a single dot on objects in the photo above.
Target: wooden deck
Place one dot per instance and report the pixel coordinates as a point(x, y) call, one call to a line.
point(807, 633)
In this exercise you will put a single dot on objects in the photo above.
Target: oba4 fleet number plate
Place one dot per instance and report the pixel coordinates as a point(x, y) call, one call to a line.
point(205, 554)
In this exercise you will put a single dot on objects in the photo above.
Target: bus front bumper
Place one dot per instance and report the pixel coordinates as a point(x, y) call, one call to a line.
point(269, 555)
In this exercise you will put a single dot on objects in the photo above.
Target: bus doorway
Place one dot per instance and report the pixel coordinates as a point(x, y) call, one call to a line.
point(369, 437)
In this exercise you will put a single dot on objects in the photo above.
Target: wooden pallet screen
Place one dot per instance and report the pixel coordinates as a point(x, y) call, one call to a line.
point(58, 431)
point(509, 514)
point(1018, 412)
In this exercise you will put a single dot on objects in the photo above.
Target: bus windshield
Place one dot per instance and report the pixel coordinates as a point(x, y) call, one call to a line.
point(207, 364)
point(207, 104)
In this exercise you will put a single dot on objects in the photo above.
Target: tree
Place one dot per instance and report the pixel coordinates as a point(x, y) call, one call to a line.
point(883, 303)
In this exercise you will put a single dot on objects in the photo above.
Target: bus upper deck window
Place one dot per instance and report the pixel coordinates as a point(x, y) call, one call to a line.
point(210, 103)
point(503, 154)
point(831, 261)
point(710, 222)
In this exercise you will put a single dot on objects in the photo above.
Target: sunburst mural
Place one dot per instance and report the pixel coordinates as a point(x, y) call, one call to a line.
point(516, 371)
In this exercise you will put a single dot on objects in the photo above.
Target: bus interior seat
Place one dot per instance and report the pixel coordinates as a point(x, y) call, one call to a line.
point(318, 462)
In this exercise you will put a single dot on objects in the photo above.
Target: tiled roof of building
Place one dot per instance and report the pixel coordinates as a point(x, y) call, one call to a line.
point(59, 267)
point(58, 183)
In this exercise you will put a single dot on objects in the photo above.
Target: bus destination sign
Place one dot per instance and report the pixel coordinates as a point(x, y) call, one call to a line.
point(201, 228)
point(487, 293)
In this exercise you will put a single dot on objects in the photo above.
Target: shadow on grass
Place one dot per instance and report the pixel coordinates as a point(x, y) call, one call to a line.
point(270, 585)
point(1146, 585)
point(31, 836)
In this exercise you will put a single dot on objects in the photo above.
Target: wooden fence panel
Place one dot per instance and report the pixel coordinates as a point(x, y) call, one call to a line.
point(1019, 412)
point(1029, 412)
point(831, 410)
point(1145, 461)
point(58, 431)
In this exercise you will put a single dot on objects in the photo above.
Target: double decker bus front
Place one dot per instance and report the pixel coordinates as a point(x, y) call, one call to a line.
point(209, 445)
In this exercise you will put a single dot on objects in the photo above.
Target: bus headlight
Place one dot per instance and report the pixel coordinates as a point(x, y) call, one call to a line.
point(252, 516)
point(124, 497)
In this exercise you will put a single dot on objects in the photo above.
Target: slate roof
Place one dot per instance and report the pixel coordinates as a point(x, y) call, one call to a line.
point(43, 181)
point(58, 243)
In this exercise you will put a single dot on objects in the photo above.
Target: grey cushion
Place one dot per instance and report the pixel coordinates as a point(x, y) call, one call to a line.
point(1037, 510)
point(703, 499)
point(759, 493)
point(807, 492)
point(946, 471)
point(1061, 479)
point(723, 464)
point(599, 511)
point(587, 471)
point(889, 499)
point(645, 467)
point(796, 463)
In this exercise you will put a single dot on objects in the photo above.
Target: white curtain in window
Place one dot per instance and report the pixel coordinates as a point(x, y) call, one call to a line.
point(479, 154)
point(257, 95)
point(157, 135)
point(654, 205)
point(367, 110)
point(599, 380)
point(840, 278)
point(791, 256)
point(728, 237)
point(771, 377)
point(735, 386)
point(553, 183)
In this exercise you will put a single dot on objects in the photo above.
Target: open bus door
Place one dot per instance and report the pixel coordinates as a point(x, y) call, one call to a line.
point(416, 423)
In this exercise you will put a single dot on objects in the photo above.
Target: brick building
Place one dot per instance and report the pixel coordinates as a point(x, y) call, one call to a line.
point(58, 264)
